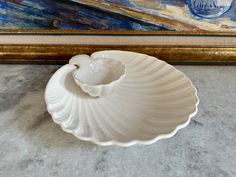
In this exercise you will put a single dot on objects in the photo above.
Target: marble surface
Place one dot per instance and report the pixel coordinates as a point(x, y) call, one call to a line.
point(32, 145)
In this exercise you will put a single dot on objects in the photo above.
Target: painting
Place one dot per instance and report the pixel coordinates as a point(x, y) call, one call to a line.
point(176, 31)
point(138, 15)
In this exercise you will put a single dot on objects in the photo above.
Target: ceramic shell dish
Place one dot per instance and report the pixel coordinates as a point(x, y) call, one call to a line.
point(152, 102)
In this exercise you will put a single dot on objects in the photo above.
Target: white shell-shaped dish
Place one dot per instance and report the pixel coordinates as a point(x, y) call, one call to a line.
point(97, 77)
point(153, 101)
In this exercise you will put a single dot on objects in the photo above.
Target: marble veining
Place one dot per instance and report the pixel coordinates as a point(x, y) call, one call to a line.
point(32, 145)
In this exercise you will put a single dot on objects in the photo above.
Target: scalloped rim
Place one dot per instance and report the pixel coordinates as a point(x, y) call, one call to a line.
point(136, 141)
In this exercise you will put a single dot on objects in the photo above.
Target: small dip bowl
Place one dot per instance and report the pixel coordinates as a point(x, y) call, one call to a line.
point(98, 77)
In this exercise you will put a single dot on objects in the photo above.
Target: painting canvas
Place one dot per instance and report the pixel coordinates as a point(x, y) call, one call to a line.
point(144, 15)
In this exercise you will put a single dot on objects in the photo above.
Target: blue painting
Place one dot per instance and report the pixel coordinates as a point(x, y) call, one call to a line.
point(175, 15)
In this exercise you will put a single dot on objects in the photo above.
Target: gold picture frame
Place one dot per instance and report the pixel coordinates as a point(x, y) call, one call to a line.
point(212, 48)
point(179, 32)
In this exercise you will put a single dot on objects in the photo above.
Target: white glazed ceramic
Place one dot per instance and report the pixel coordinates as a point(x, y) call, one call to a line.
point(153, 101)
point(97, 77)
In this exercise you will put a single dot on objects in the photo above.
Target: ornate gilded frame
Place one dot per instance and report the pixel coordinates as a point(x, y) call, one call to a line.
point(59, 53)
